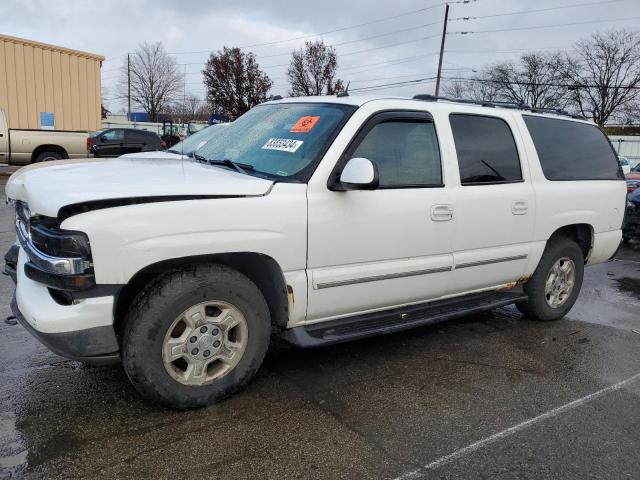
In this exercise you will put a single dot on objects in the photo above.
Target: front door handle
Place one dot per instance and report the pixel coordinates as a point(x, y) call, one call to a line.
point(519, 207)
point(441, 213)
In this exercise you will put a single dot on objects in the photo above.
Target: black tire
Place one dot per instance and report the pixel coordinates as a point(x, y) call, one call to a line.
point(47, 157)
point(536, 307)
point(154, 310)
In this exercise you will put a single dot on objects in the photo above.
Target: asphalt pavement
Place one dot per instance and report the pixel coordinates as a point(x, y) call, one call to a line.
point(489, 396)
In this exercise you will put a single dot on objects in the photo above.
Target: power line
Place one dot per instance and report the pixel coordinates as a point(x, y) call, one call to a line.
point(544, 26)
point(543, 84)
point(388, 62)
point(388, 46)
point(534, 11)
point(403, 30)
point(512, 50)
point(328, 32)
point(393, 85)
point(389, 78)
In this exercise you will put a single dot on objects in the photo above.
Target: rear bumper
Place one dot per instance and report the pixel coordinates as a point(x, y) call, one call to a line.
point(631, 225)
point(605, 244)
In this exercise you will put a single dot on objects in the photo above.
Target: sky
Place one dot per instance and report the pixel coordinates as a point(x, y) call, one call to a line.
point(378, 42)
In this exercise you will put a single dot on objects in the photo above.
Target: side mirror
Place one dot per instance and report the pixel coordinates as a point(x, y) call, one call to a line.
point(359, 174)
point(103, 139)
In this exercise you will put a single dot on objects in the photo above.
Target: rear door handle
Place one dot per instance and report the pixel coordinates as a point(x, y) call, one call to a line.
point(441, 213)
point(519, 207)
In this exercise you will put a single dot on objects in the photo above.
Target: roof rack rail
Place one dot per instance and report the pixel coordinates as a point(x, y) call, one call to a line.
point(558, 111)
point(494, 104)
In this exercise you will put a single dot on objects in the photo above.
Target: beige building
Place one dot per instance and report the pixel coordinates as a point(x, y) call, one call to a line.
point(45, 86)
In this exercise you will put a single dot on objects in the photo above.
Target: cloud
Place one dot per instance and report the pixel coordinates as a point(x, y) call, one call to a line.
point(115, 27)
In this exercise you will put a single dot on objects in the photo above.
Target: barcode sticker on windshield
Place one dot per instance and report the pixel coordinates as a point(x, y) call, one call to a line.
point(282, 144)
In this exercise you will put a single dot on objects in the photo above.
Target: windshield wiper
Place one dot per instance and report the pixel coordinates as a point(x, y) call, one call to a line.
point(240, 167)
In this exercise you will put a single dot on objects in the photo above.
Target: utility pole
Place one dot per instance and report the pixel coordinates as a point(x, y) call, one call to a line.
point(128, 87)
point(444, 35)
point(184, 93)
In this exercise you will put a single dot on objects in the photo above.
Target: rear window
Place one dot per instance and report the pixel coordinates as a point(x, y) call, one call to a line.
point(572, 150)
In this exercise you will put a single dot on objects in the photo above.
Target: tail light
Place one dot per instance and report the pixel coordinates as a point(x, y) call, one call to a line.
point(89, 144)
point(163, 145)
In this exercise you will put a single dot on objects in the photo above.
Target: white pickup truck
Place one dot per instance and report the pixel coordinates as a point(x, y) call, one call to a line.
point(318, 220)
point(21, 146)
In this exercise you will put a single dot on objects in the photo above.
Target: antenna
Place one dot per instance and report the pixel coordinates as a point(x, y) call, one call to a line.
point(346, 91)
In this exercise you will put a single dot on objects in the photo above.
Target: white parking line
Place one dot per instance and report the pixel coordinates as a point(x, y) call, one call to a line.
point(420, 472)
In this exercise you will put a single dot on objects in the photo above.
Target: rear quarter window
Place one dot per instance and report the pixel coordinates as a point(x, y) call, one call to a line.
point(571, 150)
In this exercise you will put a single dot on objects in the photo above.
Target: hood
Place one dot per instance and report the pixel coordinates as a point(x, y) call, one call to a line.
point(157, 154)
point(51, 186)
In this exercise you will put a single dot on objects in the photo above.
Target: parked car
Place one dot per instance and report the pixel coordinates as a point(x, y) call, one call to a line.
point(185, 148)
point(631, 225)
point(114, 142)
point(23, 146)
point(317, 220)
point(633, 178)
point(625, 164)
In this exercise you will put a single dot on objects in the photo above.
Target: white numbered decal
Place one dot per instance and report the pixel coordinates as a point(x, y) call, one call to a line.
point(282, 144)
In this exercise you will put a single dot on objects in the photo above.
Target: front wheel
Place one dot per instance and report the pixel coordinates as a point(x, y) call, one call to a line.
point(195, 336)
point(556, 283)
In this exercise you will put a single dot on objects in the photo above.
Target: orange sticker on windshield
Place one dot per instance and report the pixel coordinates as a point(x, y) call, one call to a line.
point(304, 124)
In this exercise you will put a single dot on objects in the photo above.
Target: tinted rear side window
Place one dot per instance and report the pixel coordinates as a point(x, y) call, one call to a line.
point(572, 150)
point(486, 150)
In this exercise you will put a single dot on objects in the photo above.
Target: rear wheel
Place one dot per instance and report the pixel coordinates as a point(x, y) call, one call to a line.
point(195, 336)
point(47, 157)
point(555, 285)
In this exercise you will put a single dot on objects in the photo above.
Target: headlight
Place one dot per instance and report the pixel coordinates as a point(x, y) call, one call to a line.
point(49, 248)
point(60, 243)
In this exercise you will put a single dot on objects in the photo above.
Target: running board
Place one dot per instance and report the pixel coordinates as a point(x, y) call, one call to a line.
point(397, 319)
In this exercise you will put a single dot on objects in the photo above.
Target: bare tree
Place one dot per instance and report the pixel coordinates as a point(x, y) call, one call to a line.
point(605, 73)
point(155, 79)
point(312, 70)
point(478, 88)
point(234, 82)
point(534, 80)
point(186, 108)
point(627, 114)
point(104, 108)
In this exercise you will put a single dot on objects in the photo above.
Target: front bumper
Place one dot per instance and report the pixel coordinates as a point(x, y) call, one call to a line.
point(81, 331)
point(96, 346)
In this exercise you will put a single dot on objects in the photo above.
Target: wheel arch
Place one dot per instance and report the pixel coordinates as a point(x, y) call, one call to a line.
point(48, 148)
point(263, 270)
point(581, 233)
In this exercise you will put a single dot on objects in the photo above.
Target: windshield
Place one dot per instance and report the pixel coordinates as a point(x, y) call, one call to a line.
point(197, 140)
point(281, 140)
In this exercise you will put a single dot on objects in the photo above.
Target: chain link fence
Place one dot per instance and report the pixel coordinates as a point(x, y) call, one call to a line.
point(627, 146)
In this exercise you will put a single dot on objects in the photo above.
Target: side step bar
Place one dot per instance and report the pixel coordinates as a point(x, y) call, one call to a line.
point(397, 319)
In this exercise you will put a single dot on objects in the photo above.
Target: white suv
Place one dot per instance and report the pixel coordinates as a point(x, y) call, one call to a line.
point(317, 220)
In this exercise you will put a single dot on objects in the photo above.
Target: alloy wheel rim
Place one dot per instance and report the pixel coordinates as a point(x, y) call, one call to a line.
point(560, 282)
point(205, 343)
